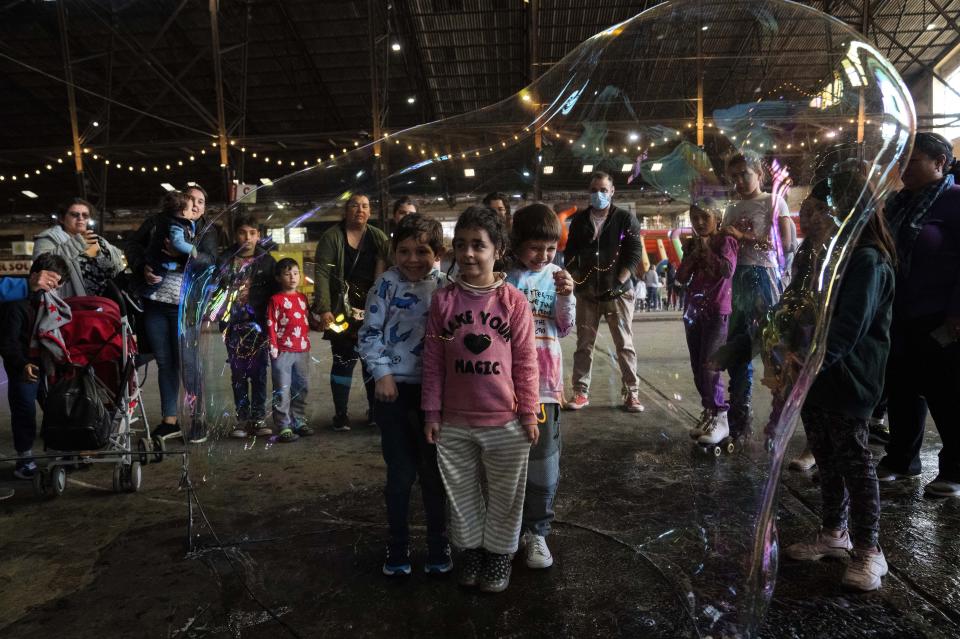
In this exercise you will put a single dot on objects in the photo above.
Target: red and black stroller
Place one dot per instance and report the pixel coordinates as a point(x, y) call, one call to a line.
point(92, 399)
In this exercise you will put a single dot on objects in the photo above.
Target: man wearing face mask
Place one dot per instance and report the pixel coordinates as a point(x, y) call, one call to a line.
point(604, 249)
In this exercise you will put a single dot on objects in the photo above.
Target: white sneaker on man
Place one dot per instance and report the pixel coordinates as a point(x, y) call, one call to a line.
point(866, 569)
point(536, 551)
point(941, 487)
point(715, 430)
point(824, 545)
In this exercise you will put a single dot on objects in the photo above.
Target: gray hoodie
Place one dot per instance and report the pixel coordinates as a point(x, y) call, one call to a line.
point(70, 247)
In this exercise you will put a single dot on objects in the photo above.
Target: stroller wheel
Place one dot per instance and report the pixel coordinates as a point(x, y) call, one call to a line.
point(58, 480)
point(144, 448)
point(118, 478)
point(41, 487)
point(134, 477)
point(158, 449)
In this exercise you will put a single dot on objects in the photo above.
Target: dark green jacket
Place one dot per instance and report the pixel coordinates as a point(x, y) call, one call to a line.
point(850, 380)
point(329, 266)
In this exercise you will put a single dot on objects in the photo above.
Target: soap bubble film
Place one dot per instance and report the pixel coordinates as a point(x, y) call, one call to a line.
point(662, 103)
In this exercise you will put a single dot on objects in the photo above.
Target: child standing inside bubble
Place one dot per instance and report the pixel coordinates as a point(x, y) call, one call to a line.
point(289, 335)
point(391, 345)
point(480, 391)
point(758, 221)
point(548, 288)
point(248, 273)
point(849, 384)
point(709, 260)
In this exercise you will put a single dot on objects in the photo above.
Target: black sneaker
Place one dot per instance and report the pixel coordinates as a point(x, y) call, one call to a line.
point(473, 560)
point(371, 422)
point(6, 493)
point(397, 563)
point(886, 473)
point(25, 470)
point(496, 573)
point(341, 423)
point(438, 560)
point(198, 432)
point(163, 429)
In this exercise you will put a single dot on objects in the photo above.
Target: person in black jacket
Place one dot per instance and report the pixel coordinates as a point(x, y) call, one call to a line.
point(247, 273)
point(161, 293)
point(17, 321)
point(604, 249)
point(847, 388)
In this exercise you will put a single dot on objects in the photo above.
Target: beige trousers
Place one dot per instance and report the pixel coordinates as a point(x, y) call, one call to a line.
point(619, 316)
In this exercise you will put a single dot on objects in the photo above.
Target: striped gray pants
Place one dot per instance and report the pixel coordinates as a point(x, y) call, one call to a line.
point(501, 455)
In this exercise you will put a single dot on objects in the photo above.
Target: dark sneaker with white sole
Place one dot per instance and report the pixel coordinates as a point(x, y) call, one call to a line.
point(472, 562)
point(397, 563)
point(496, 573)
point(438, 560)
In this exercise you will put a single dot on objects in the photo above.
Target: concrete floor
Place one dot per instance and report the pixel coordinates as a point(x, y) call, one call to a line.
point(652, 539)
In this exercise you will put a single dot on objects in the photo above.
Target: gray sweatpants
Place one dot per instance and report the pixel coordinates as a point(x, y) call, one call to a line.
point(290, 374)
point(500, 454)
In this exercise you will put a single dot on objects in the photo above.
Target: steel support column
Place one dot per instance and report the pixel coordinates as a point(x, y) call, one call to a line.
point(221, 116)
point(378, 168)
point(71, 96)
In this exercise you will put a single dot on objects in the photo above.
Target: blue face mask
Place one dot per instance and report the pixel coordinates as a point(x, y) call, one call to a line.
point(599, 201)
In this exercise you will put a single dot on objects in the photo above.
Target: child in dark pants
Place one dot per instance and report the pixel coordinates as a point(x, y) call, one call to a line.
point(248, 273)
point(391, 345)
point(709, 262)
point(17, 321)
point(845, 392)
point(548, 288)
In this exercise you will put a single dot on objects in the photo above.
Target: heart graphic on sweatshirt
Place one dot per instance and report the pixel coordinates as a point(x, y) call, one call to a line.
point(476, 343)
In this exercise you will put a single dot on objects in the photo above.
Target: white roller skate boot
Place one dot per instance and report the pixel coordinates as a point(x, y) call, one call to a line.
point(697, 429)
point(716, 430)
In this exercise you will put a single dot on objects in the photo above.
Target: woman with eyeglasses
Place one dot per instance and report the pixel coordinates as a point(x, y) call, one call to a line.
point(349, 258)
point(92, 261)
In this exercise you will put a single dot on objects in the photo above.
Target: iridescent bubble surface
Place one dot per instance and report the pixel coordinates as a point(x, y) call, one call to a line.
point(661, 102)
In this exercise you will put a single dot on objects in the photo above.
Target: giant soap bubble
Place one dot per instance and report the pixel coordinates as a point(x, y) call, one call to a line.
point(661, 102)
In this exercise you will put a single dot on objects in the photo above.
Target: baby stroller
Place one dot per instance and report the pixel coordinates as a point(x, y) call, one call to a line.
point(92, 399)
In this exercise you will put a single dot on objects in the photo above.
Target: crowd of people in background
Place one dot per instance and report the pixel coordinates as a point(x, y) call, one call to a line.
point(460, 387)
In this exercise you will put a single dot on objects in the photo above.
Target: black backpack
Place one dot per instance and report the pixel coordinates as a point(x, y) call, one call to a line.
point(74, 414)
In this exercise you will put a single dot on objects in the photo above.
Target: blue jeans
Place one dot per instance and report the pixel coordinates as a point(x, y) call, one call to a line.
point(755, 290)
point(291, 371)
point(22, 396)
point(543, 473)
point(160, 322)
point(408, 456)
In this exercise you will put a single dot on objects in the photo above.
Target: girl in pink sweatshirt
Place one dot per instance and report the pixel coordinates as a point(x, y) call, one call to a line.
point(480, 396)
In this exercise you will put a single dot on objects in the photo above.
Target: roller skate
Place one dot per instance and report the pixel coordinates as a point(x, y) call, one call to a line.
point(715, 439)
point(697, 429)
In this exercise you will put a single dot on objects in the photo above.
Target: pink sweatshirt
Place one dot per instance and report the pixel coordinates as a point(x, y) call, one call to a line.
point(479, 359)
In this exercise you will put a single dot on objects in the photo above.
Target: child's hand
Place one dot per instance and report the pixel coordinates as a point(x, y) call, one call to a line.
point(733, 232)
point(564, 282)
point(432, 431)
point(274, 352)
point(385, 389)
point(31, 372)
point(533, 433)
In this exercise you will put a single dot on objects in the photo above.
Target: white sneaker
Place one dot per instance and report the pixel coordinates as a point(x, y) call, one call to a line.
point(941, 487)
point(824, 545)
point(239, 433)
point(697, 430)
point(865, 570)
point(537, 553)
point(715, 430)
point(803, 462)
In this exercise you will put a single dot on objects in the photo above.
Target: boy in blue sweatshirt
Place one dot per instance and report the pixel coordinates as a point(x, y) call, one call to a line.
point(391, 345)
